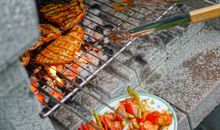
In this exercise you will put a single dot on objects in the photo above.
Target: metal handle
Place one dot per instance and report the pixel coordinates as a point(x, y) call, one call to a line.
point(205, 14)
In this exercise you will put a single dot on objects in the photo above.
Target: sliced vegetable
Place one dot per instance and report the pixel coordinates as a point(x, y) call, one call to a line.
point(123, 123)
point(153, 117)
point(137, 98)
point(136, 125)
point(121, 109)
point(133, 94)
point(150, 126)
point(144, 115)
point(109, 118)
point(93, 124)
point(97, 119)
point(139, 120)
point(165, 119)
point(118, 117)
point(104, 123)
point(84, 127)
point(128, 108)
point(139, 112)
point(141, 127)
point(123, 5)
point(129, 116)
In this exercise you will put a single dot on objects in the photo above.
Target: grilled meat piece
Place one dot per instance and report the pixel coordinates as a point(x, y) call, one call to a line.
point(25, 58)
point(65, 15)
point(62, 50)
point(48, 33)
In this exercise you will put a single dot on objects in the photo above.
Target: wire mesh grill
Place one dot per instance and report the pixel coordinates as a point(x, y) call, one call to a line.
point(60, 83)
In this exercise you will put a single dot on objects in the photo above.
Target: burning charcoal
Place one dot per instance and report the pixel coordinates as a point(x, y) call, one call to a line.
point(99, 29)
point(62, 89)
point(90, 41)
point(69, 101)
point(179, 5)
point(106, 31)
point(78, 80)
point(45, 110)
point(96, 9)
point(106, 40)
point(51, 103)
point(96, 6)
point(108, 26)
point(42, 82)
point(108, 50)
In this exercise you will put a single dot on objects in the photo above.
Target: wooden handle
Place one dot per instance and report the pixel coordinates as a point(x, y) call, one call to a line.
point(205, 14)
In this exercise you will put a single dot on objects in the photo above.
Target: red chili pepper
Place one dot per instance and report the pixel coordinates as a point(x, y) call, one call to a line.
point(79, 129)
point(84, 127)
point(104, 123)
point(153, 117)
point(128, 108)
point(118, 117)
point(141, 127)
point(139, 120)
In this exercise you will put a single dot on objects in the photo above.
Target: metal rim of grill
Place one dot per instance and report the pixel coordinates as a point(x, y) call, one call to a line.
point(103, 63)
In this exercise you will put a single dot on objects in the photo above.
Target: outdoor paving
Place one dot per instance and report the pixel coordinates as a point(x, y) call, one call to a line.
point(189, 79)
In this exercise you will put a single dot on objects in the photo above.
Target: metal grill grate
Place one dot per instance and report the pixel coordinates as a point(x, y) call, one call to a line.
point(97, 52)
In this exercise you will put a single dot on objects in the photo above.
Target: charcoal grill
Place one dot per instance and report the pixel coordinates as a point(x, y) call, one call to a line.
point(118, 20)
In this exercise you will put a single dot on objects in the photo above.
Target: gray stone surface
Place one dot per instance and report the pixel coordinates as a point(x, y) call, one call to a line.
point(190, 77)
point(143, 56)
point(88, 101)
point(108, 83)
point(123, 71)
point(67, 118)
point(18, 106)
point(215, 23)
point(57, 125)
point(182, 39)
point(19, 29)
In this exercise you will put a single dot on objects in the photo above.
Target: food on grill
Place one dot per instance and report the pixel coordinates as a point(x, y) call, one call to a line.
point(48, 33)
point(123, 5)
point(65, 15)
point(127, 4)
point(140, 116)
point(25, 58)
point(63, 49)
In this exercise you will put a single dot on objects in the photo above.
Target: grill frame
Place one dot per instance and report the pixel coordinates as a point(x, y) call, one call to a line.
point(78, 87)
point(100, 68)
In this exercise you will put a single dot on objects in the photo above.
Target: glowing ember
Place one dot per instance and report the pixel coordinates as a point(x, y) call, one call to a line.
point(57, 95)
point(40, 97)
point(53, 71)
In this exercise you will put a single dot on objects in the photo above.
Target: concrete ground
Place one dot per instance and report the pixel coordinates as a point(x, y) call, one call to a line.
point(189, 78)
